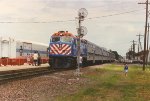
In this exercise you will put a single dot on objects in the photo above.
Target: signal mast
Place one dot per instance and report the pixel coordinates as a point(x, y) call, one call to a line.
point(82, 31)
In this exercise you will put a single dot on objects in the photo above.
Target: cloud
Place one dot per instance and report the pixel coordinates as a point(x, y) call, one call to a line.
point(112, 32)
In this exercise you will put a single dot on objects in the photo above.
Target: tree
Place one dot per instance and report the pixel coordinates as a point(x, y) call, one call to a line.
point(116, 55)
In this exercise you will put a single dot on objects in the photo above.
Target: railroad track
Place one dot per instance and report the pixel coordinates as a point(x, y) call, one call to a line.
point(13, 75)
point(26, 73)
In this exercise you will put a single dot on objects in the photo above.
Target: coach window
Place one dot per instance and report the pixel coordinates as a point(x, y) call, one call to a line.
point(21, 50)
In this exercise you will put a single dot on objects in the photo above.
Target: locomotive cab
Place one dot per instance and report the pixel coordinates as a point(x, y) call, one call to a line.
point(61, 45)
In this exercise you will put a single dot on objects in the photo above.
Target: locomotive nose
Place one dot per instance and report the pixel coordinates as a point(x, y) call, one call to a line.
point(60, 49)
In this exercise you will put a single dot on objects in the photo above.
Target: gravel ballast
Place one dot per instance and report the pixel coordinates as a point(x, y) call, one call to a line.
point(42, 88)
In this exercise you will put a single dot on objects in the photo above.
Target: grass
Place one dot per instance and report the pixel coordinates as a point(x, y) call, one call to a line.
point(110, 84)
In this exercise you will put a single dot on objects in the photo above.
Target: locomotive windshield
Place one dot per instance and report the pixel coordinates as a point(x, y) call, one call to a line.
point(55, 39)
point(66, 39)
point(61, 39)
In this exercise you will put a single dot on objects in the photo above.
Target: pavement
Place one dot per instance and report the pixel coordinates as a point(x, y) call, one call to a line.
point(25, 66)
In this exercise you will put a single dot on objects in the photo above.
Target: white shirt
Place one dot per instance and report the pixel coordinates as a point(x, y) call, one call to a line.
point(35, 56)
point(80, 60)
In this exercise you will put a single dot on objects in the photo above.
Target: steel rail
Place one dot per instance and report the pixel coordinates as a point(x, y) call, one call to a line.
point(22, 74)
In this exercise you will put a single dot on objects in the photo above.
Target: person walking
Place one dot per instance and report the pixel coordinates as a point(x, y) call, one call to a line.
point(126, 69)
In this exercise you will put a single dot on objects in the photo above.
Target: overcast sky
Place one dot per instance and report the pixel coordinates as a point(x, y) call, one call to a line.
point(108, 23)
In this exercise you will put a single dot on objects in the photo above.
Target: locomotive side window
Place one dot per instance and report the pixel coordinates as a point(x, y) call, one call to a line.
point(66, 39)
point(55, 39)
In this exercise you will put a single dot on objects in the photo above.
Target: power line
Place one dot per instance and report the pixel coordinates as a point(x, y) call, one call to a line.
point(123, 4)
point(36, 21)
point(115, 14)
point(101, 6)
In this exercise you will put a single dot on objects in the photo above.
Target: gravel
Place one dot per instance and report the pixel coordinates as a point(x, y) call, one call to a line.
point(43, 88)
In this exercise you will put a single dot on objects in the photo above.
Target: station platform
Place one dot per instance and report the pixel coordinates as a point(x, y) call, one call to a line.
point(21, 67)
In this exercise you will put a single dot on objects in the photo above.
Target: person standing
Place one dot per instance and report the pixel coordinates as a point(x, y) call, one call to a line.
point(39, 59)
point(28, 59)
point(35, 58)
point(80, 61)
point(32, 60)
point(126, 69)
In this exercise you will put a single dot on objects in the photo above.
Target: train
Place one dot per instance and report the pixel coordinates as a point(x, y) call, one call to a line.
point(63, 51)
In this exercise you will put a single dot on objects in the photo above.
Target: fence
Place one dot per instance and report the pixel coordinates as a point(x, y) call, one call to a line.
point(18, 61)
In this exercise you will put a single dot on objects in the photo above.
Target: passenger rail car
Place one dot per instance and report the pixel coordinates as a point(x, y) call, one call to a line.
point(63, 51)
point(24, 48)
point(11, 48)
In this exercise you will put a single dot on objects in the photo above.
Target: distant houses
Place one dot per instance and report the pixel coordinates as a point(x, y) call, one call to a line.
point(138, 57)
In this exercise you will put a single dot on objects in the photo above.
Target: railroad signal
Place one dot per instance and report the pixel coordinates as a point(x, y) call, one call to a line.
point(81, 30)
point(82, 13)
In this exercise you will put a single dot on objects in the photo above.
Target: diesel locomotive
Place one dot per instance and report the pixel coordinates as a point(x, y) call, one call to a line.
point(63, 50)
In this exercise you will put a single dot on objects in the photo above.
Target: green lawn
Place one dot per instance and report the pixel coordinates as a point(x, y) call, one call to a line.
point(110, 84)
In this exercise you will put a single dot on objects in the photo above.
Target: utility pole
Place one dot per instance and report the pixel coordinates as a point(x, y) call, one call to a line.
point(0, 51)
point(147, 44)
point(145, 33)
point(148, 36)
point(128, 55)
point(139, 44)
point(133, 49)
point(131, 52)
